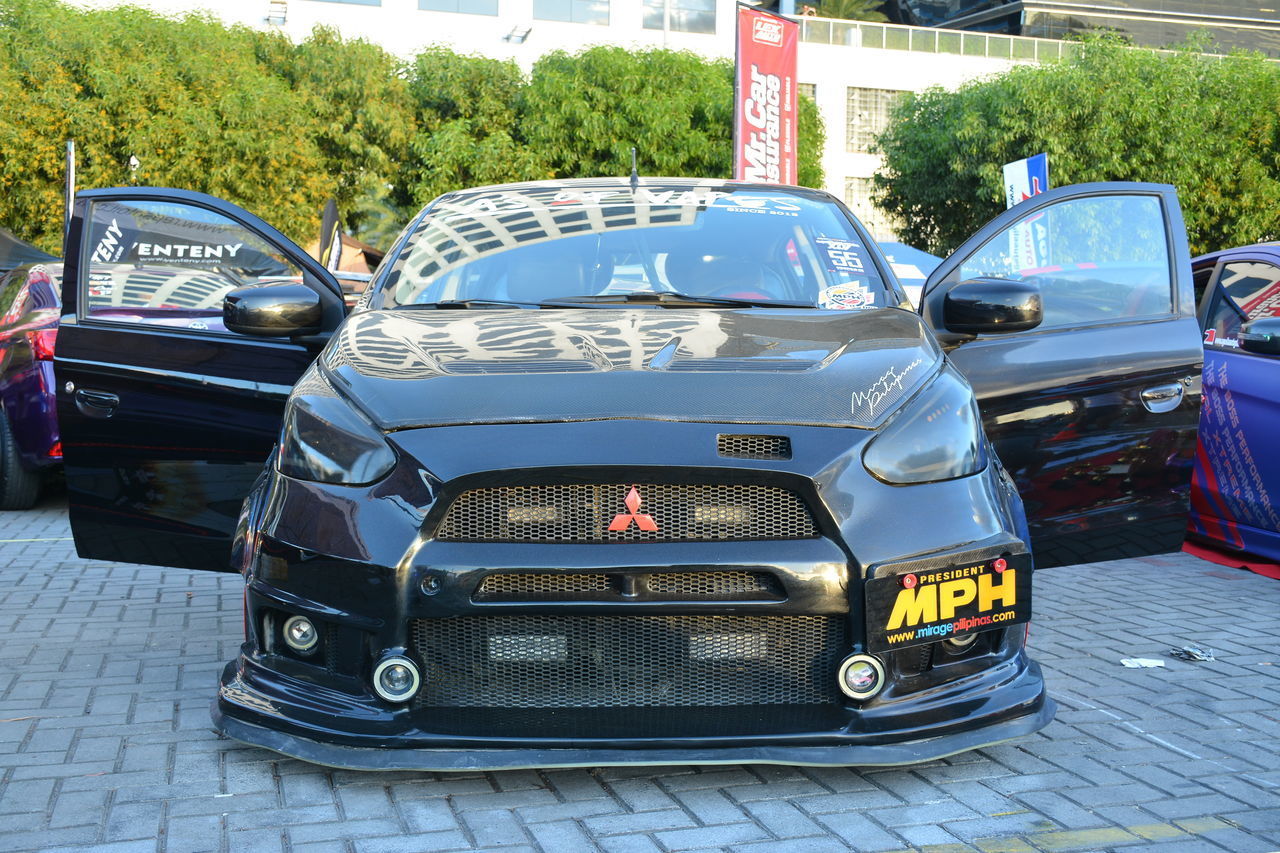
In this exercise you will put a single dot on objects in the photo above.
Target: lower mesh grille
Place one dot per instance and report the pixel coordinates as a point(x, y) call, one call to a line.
point(560, 662)
point(624, 512)
point(511, 587)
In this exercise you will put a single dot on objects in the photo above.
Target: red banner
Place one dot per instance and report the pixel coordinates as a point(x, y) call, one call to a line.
point(764, 101)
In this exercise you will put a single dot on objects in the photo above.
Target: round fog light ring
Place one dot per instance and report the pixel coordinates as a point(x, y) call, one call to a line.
point(300, 634)
point(959, 643)
point(861, 676)
point(396, 678)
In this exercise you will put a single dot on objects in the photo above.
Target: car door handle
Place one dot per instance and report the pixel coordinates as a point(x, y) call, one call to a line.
point(1162, 398)
point(96, 404)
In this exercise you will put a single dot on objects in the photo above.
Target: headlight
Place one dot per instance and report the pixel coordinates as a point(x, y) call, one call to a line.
point(937, 436)
point(326, 440)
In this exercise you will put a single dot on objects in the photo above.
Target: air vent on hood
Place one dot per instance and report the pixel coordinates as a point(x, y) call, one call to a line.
point(754, 446)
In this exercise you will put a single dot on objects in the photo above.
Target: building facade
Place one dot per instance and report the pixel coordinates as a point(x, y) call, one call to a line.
point(852, 70)
point(1229, 24)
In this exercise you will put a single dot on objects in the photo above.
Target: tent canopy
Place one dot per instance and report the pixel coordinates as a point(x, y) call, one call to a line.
point(15, 252)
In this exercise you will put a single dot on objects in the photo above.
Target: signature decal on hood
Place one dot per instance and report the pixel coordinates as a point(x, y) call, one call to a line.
point(889, 385)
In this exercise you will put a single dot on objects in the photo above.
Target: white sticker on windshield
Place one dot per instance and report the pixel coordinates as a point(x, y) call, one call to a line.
point(843, 255)
point(846, 297)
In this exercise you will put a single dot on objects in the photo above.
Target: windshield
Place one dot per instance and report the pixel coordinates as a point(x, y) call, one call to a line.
point(532, 245)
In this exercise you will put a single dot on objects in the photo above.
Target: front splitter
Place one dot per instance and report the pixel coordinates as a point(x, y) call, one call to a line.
point(404, 758)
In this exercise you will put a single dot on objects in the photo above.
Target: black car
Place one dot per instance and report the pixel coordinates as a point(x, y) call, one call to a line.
point(607, 471)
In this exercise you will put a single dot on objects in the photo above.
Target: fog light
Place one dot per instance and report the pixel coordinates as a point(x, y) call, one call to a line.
point(959, 643)
point(396, 678)
point(300, 634)
point(861, 676)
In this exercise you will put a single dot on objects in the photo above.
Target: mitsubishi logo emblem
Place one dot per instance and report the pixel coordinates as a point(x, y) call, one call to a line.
point(622, 521)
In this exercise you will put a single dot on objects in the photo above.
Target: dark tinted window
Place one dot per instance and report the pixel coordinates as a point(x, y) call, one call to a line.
point(171, 264)
point(1246, 290)
point(1094, 259)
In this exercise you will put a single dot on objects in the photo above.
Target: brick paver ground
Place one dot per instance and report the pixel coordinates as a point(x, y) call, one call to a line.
point(106, 673)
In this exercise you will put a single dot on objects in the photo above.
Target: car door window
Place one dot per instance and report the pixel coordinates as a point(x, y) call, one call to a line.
point(171, 264)
point(15, 295)
point(1095, 259)
point(1246, 290)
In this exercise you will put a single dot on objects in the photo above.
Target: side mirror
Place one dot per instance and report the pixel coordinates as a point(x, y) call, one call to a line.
point(992, 306)
point(1261, 336)
point(273, 310)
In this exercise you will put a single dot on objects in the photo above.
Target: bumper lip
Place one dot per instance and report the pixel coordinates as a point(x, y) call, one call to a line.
point(446, 760)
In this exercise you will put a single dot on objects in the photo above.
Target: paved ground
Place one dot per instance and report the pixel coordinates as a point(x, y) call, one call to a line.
point(106, 672)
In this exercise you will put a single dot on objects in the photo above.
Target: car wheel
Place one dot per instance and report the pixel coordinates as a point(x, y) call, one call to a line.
point(19, 487)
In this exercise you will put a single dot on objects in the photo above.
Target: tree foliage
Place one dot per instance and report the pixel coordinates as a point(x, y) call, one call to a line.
point(279, 127)
point(126, 83)
point(852, 10)
point(1206, 125)
point(360, 112)
point(584, 112)
point(467, 114)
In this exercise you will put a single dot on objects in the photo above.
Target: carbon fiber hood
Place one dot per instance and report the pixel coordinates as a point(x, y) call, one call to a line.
point(414, 368)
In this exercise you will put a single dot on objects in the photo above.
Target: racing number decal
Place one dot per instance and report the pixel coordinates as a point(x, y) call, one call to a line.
point(911, 609)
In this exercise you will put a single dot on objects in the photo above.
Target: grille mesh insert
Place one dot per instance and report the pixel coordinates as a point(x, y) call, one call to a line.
point(664, 586)
point(547, 586)
point(559, 661)
point(754, 446)
point(584, 513)
point(715, 585)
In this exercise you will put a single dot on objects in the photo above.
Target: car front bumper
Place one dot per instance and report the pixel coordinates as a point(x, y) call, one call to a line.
point(632, 675)
point(261, 707)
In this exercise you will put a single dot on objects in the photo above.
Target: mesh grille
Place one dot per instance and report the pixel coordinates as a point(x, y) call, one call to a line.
point(547, 586)
point(559, 661)
point(715, 585)
point(754, 446)
point(667, 586)
point(584, 513)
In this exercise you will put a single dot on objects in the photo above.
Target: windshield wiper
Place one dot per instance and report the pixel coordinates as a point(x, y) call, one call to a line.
point(670, 297)
point(472, 303)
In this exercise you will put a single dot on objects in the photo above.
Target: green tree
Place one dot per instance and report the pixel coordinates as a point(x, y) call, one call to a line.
point(186, 97)
point(583, 113)
point(361, 114)
point(851, 10)
point(466, 109)
point(1208, 126)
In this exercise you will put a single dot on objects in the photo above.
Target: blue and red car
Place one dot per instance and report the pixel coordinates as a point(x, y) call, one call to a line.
point(1235, 498)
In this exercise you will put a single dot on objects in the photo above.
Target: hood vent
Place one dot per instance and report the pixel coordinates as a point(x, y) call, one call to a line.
point(754, 446)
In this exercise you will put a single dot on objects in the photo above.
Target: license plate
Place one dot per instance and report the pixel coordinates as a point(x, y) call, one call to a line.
point(920, 607)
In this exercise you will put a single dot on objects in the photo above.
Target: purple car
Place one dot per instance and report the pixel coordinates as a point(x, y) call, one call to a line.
point(29, 443)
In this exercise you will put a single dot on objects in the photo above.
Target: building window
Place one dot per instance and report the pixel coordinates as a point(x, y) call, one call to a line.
point(683, 16)
point(471, 7)
point(868, 113)
point(574, 11)
point(809, 90)
point(857, 194)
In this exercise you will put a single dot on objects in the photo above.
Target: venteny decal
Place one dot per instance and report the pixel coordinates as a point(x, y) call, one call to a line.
point(111, 246)
point(915, 608)
point(151, 253)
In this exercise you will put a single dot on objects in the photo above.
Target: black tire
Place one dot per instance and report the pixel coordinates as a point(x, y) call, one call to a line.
point(19, 487)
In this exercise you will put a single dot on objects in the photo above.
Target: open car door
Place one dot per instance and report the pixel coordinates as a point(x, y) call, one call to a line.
point(166, 414)
point(1094, 410)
